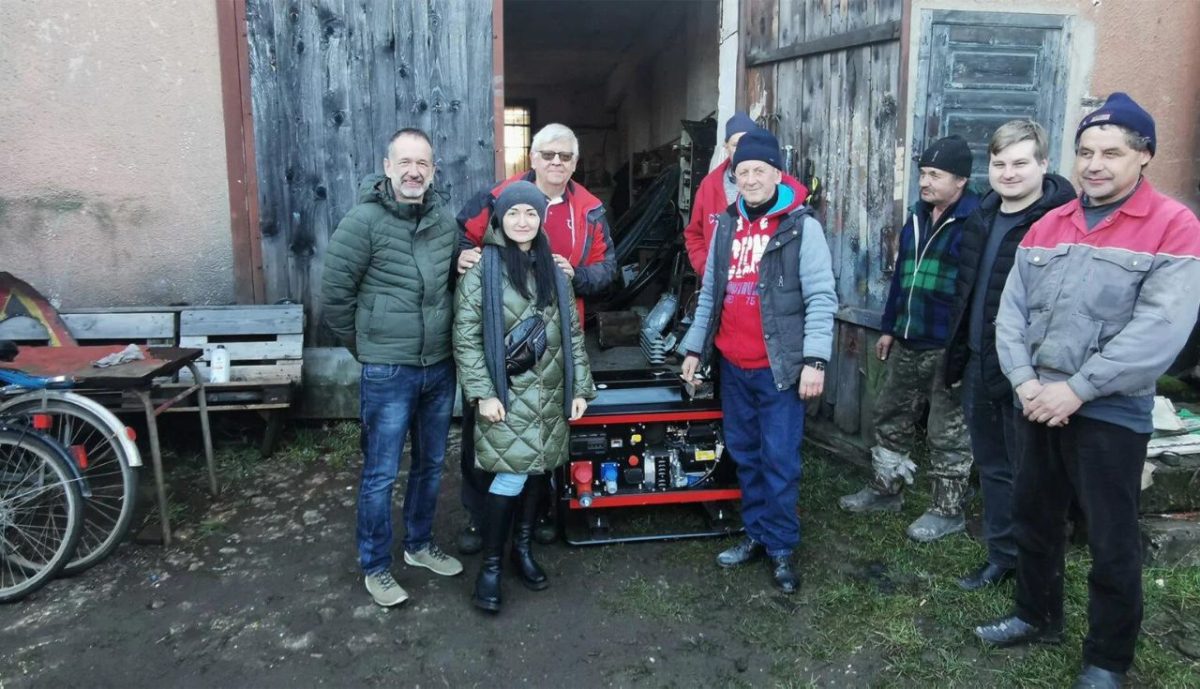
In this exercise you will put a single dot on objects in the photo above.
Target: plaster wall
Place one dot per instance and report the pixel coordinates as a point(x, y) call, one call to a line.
point(114, 185)
point(1147, 48)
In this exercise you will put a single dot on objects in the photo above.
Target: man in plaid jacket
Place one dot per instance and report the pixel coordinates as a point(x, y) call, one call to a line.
point(916, 325)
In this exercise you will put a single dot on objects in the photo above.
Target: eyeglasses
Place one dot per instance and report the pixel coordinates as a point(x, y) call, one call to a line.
point(565, 156)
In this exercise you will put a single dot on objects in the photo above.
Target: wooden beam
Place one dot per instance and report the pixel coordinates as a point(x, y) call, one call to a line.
point(233, 46)
point(498, 85)
point(879, 33)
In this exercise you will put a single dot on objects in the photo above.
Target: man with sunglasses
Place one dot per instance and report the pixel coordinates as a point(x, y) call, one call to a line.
point(577, 229)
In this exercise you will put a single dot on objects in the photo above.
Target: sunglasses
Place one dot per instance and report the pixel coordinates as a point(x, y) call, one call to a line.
point(565, 156)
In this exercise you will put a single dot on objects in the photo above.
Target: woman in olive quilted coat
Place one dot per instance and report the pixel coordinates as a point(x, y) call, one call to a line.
point(521, 404)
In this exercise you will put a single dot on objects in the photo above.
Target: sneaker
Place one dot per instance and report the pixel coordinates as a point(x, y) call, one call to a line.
point(384, 589)
point(433, 559)
point(870, 500)
point(931, 526)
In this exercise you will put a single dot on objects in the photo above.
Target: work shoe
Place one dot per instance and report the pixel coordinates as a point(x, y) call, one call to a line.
point(870, 500)
point(1092, 677)
point(384, 589)
point(433, 559)
point(469, 540)
point(987, 575)
point(931, 526)
point(1013, 631)
point(784, 577)
point(745, 551)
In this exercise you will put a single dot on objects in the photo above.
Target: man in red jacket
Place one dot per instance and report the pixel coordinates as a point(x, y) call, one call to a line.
point(717, 191)
point(575, 222)
point(579, 239)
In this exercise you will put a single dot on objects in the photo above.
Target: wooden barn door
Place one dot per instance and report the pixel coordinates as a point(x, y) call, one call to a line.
point(330, 81)
point(825, 77)
point(978, 70)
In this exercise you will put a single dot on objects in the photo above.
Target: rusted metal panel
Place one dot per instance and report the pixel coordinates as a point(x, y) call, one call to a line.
point(330, 81)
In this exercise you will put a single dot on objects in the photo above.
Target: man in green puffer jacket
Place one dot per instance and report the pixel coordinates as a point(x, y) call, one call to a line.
point(386, 295)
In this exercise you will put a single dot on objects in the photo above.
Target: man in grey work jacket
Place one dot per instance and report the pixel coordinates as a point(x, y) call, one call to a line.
point(766, 305)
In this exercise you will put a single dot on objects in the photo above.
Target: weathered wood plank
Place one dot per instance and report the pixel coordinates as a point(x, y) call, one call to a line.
point(115, 326)
point(281, 348)
point(289, 371)
point(848, 415)
point(880, 33)
point(257, 320)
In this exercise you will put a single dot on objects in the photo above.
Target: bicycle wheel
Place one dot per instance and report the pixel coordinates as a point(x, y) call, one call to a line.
point(96, 443)
point(41, 513)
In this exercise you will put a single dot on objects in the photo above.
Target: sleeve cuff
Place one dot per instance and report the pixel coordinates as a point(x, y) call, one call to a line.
point(1082, 388)
point(1020, 375)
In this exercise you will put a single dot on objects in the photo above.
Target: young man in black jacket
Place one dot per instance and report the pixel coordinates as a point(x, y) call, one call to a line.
point(1021, 194)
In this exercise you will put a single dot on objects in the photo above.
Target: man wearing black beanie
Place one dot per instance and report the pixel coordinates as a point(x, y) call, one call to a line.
point(916, 325)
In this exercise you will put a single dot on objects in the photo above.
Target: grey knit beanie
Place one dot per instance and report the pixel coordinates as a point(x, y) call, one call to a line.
point(521, 192)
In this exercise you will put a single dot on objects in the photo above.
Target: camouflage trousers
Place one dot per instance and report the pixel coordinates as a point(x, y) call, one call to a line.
point(913, 377)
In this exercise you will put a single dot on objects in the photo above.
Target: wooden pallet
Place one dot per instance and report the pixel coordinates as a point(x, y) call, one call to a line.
point(265, 343)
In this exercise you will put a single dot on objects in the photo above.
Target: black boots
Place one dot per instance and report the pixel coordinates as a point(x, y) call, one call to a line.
point(528, 511)
point(469, 540)
point(497, 521)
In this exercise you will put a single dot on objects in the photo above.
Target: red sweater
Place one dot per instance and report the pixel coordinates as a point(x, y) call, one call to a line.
point(740, 334)
point(710, 203)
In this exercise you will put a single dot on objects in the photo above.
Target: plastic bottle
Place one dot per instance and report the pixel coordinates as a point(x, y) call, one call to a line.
point(218, 371)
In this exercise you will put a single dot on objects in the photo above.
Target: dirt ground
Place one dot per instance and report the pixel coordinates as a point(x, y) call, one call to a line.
point(262, 590)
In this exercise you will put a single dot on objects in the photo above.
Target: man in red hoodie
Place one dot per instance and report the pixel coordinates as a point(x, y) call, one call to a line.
point(766, 307)
point(717, 190)
point(576, 227)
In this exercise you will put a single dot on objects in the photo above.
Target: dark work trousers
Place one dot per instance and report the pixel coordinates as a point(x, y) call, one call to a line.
point(990, 424)
point(1100, 464)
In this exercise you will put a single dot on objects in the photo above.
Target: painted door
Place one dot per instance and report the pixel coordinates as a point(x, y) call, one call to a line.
point(978, 70)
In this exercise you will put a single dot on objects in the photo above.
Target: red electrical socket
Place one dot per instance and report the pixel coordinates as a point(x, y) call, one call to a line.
point(581, 476)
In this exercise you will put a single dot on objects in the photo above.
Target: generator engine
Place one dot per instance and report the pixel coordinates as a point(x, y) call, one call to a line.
point(643, 442)
point(638, 458)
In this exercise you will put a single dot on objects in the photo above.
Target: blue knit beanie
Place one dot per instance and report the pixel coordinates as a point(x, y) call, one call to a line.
point(758, 144)
point(740, 122)
point(1121, 110)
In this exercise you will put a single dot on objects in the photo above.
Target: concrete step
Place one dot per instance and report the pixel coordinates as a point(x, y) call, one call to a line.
point(1174, 485)
point(1171, 540)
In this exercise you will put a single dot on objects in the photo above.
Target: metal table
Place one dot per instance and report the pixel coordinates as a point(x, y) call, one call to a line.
point(136, 380)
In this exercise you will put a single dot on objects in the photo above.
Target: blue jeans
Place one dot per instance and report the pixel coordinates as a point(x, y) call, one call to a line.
point(763, 428)
point(396, 400)
point(991, 425)
point(510, 485)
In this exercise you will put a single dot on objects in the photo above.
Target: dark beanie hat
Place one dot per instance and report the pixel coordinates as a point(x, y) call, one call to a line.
point(521, 192)
point(740, 122)
point(951, 154)
point(1121, 110)
point(758, 144)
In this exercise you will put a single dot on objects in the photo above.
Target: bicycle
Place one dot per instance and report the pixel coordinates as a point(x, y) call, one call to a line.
point(98, 444)
point(41, 510)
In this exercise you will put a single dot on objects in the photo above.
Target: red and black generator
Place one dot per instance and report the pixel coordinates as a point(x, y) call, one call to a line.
point(643, 445)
